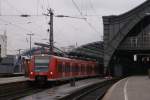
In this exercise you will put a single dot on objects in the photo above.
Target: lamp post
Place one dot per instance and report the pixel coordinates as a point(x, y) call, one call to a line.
point(50, 30)
point(31, 34)
point(51, 15)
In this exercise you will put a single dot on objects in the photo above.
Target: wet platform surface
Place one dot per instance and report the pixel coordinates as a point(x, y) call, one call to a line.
point(12, 79)
point(131, 88)
point(61, 91)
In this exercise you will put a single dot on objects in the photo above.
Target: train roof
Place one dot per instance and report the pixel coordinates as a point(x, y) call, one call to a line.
point(66, 58)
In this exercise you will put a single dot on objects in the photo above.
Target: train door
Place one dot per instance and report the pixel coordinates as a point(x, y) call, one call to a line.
point(76, 69)
point(71, 70)
point(92, 69)
point(63, 69)
point(85, 66)
point(82, 69)
point(67, 69)
point(60, 69)
point(79, 66)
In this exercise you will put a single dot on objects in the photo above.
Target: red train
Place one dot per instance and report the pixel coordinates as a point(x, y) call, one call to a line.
point(54, 68)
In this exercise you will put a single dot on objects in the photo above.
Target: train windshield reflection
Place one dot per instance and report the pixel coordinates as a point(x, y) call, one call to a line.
point(41, 63)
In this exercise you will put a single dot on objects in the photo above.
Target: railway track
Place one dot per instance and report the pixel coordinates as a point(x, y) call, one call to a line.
point(13, 91)
point(16, 90)
point(93, 92)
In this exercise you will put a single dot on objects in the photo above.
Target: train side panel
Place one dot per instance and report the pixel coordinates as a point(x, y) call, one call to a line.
point(60, 68)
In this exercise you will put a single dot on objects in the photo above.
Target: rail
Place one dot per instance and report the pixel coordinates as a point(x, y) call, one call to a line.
point(13, 91)
point(92, 92)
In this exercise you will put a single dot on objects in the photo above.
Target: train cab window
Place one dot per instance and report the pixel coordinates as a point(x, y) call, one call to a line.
point(42, 63)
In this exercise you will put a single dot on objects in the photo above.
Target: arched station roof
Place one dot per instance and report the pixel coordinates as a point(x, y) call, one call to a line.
point(116, 28)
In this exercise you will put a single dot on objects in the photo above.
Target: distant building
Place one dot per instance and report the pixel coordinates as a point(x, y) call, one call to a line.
point(11, 64)
point(3, 45)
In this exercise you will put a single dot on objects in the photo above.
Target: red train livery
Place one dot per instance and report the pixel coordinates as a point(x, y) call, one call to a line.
point(53, 68)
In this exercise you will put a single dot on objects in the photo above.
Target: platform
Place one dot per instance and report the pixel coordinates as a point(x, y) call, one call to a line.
point(131, 88)
point(61, 91)
point(12, 79)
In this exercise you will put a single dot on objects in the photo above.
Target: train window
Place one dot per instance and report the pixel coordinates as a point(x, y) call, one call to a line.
point(59, 67)
point(87, 68)
point(67, 67)
point(91, 68)
point(73, 67)
point(65, 70)
point(63, 67)
point(82, 68)
point(42, 63)
point(76, 67)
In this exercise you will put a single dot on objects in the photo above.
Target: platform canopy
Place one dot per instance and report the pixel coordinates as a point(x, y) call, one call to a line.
point(94, 50)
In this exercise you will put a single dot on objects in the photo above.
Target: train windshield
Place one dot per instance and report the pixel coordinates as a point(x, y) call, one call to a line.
point(41, 63)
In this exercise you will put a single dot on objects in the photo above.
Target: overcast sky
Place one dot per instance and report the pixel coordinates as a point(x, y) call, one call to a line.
point(67, 31)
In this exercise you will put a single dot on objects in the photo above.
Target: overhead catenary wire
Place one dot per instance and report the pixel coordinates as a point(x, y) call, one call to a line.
point(80, 12)
point(37, 5)
point(19, 27)
point(98, 18)
point(0, 7)
point(48, 4)
point(92, 7)
point(77, 7)
point(28, 22)
point(10, 23)
point(12, 7)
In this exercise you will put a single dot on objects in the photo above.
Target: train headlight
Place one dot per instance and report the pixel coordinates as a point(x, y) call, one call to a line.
point(51, 73)
point(31, 73)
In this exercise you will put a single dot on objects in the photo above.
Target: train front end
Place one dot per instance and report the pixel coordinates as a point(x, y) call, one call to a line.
point(40, 68)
